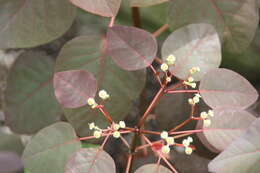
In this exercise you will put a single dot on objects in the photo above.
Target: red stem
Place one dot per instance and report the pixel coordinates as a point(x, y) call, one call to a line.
point(161, 30)
point(105, 113)
point(136, 17)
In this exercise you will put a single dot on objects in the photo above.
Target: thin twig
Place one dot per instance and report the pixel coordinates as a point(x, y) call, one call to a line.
point(136, 17)
point(161, 30)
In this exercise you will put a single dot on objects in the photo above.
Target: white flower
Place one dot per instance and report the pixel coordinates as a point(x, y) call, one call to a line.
point(190, 139)
point(116, 134)
point(211, 113)
point(164, 135)
point(92, 126)
point(170, 59)
point(190, 79)
point(166, 149)
point(203, 115)
point(91, 101)
point(164, 67)
point(103, 94)
point(188, 150)
point(196, 99)
point(193, 85)
point(122, 124)
point(191, 101)
point(168, 79)
point(206, 122)
point(97, 133)
point(194, 70)
point(170, 140)
point(186, 142)
point(116, 126)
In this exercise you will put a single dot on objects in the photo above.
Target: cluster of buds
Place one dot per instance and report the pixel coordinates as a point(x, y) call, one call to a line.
point(194, 70)
point(190, 82)
point(186, 144)
point(195, 99)
point(116, 127)
point(97, 131)
point(102, 94)
point(170, 60)
point(206, 120)
point(169, 141)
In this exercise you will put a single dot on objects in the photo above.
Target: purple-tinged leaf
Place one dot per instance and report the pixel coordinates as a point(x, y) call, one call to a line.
point(11, 142)
point(9, 162)
point(235, 20)
point(226, 126)
point(223, 88)
point(145, 3)
point(50, 149)
point(29, 23)
point(131, 48)
point(242, 155)
point(29, 96)
point(153, 168)
point(195, 45)
point(106, 8)
point(91, 160)
point(74, 87)
point(89, 53)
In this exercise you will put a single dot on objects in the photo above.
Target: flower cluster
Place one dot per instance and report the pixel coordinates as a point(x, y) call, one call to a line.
point(102, 94)
point(190, 81)
point(205, 115)
point(170, 60)
point(195, 99)
point(169, 141)
point(186, 144)
point(116, 127)
point(97, 131)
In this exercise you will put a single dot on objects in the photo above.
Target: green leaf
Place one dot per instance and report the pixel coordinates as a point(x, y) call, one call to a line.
point(242, 155)
point(196, 45)
point(10, 142)
point(153, 168)
point(50, 149)
point(226, 126)
point(88, 53)
point(29, 23)
point(29, 97)
point(235, 21)
point(235, 92)
point(106, 8)
point(91, 160)
point(145, 3)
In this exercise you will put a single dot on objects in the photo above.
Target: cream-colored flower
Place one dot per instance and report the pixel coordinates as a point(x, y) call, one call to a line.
point(170, 59)
point(166, 149)
point(103, 94)
point(164, 135)
point(188, 150)
point(122, 124)
point(92, 126)
point(186, 142)
point(206, 122)
point(97, 133)
point(203, 115)
point(170, 140)
point(116, 134)
point(164, 67)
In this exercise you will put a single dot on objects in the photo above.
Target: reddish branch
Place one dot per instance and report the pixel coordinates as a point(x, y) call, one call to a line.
point(136, 17)
point(161, 30)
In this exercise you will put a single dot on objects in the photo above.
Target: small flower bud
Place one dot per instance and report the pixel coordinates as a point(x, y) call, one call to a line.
point(103, 94)
point(190, 139)
point(203, 115)
point(193, 85)
point(190, 101)
point(170, 140)
point(116, 126)
point(91, 126)
point(186, 142)
point(97, 134)
point(190, 79)
point(164, 135)
point(170, 59)
point(91, 101)
point(196, 99)
point(194, 70)
point(116, 134)
point(188, 150)
point(211, 113)
point(122, 124)
point(168, 79)
point(166, 149)
point(94, 105)
point(207, 122)
point(164, 67)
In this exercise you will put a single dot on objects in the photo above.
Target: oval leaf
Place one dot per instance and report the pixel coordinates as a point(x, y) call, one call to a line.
point(131, 48)
point(145, 3)
point(91, 160)
point(30, 23)
point(230, 18)
point(73, 88)
point(29, 96)
point(153, 168)
point(226, 126)
point(196, 45)
point(223, 88)
point(50, 149)
point(107, 8)
point(88, 53)
point(242, 155)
